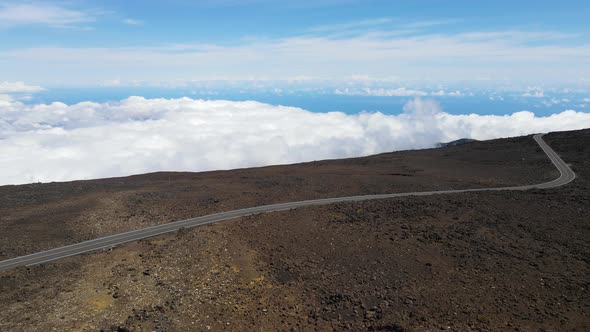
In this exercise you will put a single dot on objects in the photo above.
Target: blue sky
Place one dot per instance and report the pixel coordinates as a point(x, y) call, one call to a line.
point(92, 43)
point(92, 89)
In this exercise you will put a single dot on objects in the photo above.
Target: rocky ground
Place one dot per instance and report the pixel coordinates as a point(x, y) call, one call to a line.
point(477, 261)
point(42, 216)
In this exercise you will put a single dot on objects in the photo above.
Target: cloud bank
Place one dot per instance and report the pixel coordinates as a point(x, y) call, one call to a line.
point(57, 142)
point(397, 92)
point(380, 92)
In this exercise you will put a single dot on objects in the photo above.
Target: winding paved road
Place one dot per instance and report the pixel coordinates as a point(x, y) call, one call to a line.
point(567, 175)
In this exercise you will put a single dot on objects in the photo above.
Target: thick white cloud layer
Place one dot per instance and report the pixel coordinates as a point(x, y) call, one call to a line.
point(59, 142)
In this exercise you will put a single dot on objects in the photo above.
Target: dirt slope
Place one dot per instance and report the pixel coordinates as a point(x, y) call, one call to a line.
point(42, 216)
point(478, 261)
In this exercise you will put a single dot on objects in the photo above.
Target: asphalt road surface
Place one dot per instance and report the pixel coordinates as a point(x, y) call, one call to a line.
point(567, 175)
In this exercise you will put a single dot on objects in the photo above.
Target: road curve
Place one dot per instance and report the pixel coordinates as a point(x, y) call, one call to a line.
point(566, 176)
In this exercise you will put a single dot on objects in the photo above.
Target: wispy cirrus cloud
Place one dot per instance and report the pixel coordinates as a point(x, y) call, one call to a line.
point(498, 55)
point(374, 22)
point(383, 26)
point(18, 87)
point(428, 23)
point(33, 13)
point(378, 23)
point(131, 21)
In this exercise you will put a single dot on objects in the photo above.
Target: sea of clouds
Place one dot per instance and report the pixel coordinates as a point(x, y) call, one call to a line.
point(58, 142)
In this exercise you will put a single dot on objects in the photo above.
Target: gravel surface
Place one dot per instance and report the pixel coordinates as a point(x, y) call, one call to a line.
point(493, 261)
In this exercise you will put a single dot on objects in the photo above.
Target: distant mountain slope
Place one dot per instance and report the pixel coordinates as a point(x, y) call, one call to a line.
point(460, 141)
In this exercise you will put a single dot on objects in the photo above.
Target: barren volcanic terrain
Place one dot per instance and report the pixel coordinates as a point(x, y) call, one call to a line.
point(474, 261)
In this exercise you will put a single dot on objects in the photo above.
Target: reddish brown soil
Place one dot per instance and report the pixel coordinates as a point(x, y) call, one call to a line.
point(491, 261)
